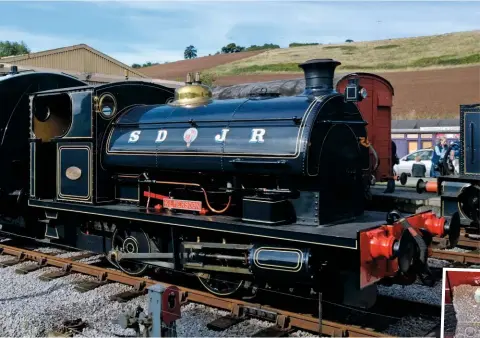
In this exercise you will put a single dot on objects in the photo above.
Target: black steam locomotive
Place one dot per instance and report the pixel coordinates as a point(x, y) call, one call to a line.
point(461, 193)
point(243, 193)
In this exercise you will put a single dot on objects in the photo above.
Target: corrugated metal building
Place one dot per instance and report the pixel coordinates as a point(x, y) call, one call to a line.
point(79, 58)
point(81, 61)
point(93, 79)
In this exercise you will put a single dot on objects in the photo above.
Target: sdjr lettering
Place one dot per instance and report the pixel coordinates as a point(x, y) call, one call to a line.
point(191, 134)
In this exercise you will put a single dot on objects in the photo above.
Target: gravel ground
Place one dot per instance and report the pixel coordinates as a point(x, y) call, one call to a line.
point(411, 327)
point(417, 292)
point(467, 311)
point(414, 292)
point(39, 307)
point(458, 250)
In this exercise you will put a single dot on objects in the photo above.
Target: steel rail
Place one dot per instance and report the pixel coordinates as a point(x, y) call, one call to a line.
point(471, 257)
point(292, 320)
point(463, 241)
point(468, 242)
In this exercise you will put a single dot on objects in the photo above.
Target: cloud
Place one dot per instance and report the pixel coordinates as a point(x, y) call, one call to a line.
point(159, 31)
point(142, 54)
point(36, 42)
point(209, 26)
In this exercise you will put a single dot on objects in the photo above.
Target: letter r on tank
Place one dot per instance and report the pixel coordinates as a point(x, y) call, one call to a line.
point(221, 137)
point(257, 136)
point(161, 136)
point(134, 136)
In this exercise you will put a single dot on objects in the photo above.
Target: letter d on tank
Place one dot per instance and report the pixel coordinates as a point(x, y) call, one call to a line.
point(161, 136)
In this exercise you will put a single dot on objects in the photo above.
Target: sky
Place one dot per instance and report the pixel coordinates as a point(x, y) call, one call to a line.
point(159, 31)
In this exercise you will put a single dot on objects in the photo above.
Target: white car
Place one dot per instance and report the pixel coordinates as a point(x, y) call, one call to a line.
point(406, 162)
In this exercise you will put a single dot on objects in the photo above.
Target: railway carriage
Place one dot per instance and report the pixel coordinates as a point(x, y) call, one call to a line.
point(264, 191)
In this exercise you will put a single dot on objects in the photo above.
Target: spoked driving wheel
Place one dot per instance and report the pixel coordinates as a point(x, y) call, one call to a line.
point(131, 241)
point(222, 285)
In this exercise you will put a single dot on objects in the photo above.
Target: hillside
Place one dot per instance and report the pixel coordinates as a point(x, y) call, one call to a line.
point(438, 51)
point(431, 75)
point(179, 69)
point(420, 94)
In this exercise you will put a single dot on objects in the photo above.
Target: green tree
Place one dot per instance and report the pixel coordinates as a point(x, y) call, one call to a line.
point(9, 48)
point(299, 44)
point(232, 48)
point(190, 52)
point(265, 46)
point(349, 40)
point(146, 64)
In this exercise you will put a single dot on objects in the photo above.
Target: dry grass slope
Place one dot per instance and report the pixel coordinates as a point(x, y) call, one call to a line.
point(438, 51)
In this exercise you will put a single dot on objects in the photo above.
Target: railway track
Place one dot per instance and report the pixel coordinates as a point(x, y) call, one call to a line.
point(470, 257)
point(283, 322)
point(464, 241)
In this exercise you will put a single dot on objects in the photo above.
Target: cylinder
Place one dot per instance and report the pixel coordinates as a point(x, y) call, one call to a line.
point(286, 265)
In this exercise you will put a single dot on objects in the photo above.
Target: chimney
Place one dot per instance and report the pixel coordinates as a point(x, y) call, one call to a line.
point(319, 75)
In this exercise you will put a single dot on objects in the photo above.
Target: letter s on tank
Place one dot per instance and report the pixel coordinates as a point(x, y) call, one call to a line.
point(134, 136)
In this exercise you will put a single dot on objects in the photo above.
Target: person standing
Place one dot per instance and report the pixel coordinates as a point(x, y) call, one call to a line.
point(438, 154)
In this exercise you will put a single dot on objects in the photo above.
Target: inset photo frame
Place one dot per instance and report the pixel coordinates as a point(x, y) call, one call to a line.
point(460, 303)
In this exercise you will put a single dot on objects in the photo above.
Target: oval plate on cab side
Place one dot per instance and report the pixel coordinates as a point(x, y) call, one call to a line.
point(73, 173)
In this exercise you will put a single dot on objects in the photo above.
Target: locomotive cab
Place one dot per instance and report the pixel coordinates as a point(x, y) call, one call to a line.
point(15, 88)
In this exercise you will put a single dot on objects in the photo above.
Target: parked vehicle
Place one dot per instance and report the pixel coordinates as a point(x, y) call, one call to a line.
point(406, 162)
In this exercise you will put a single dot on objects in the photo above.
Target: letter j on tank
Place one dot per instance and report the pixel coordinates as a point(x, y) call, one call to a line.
point(221, 137)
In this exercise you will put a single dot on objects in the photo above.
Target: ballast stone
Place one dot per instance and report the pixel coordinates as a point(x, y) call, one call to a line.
point(477, 295)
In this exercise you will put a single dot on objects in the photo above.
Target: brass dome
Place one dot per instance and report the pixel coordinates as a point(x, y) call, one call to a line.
point(193, 94)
